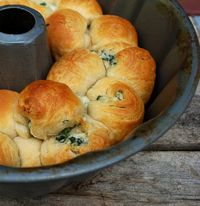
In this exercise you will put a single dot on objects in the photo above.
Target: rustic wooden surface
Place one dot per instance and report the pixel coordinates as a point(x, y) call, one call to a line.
point(166, 174)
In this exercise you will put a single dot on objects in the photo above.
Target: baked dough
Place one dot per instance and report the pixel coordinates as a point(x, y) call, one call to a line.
point(78, 69)
point(49, 5)
point(89, 9)
point(50, 107)
point(108, 52)
point(53, 152)
point(111, 48)
point(136, 67)
point(9, 154)
point(117, 106)
point(88, 136)
point(29, 151)
point(67, 30)
point(12, 123)
point(108, 29)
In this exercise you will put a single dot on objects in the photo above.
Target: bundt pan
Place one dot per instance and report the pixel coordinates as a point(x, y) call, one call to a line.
point(165, 30)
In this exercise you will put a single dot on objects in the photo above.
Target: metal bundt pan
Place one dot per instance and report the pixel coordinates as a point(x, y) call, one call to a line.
point(165, 30)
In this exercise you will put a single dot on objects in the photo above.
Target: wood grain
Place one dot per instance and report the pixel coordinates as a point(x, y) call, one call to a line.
point(148, 178)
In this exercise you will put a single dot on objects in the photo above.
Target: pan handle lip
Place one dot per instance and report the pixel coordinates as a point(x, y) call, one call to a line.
point(98, 160)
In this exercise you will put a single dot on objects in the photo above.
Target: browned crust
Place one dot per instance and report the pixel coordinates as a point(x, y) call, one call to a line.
point(9, 155)
point(121, 117)
point(136, 67)
point(90, 9)
point(66, 31)
point(78, 69)
point(48, 104)
point(107, 29)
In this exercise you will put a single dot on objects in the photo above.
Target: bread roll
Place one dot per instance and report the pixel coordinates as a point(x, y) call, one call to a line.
point(29, 151)
point(111, 48)
point(98, 136)
point(136, 67)
point(12, 123)
point(90, 9)
point(79, 69)
point(117, 106)
point(41, 9)
point(88, 136)
point(108, 52)
point(53, 152)
point(49, 5)
point(8, 152)
point(108, 29)
point(8, 103)
point(50, 107)
point(67, 30)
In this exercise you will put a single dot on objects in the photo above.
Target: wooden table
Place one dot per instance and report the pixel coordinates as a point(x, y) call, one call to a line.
point(167, 173)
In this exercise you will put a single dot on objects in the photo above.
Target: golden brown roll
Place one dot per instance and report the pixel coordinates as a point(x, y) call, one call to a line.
point(12, 123)
point(108, 52)
point(40, 8)
point(97, 135)
point(8, 104)
point(111, 48)
point(67, 30)
point(49, 5)
point(136, 67)
point(108, 29)
point(88, 136)
point(29, 151)
point(116, 105)
point(21, 125)
point(78, 69)
point(53, 152)
point(50, 107)
point(90, 9)
point(9, 155)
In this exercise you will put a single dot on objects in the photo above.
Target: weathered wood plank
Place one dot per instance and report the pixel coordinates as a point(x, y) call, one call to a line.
point(149, 178)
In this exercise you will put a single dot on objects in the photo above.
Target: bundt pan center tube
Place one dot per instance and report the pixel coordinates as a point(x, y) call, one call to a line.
point(24, 50)
point(165, 30)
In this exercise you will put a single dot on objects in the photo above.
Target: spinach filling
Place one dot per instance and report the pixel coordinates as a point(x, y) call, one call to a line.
point(102, 98)
point(119, 95)
point(111, 59)
point(73, 139)
point(99, 98)
point(65, 121)
point(63, 135)
point(43, 3)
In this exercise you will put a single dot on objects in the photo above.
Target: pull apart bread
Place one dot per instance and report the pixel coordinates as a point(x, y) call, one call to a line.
point(94, 95)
